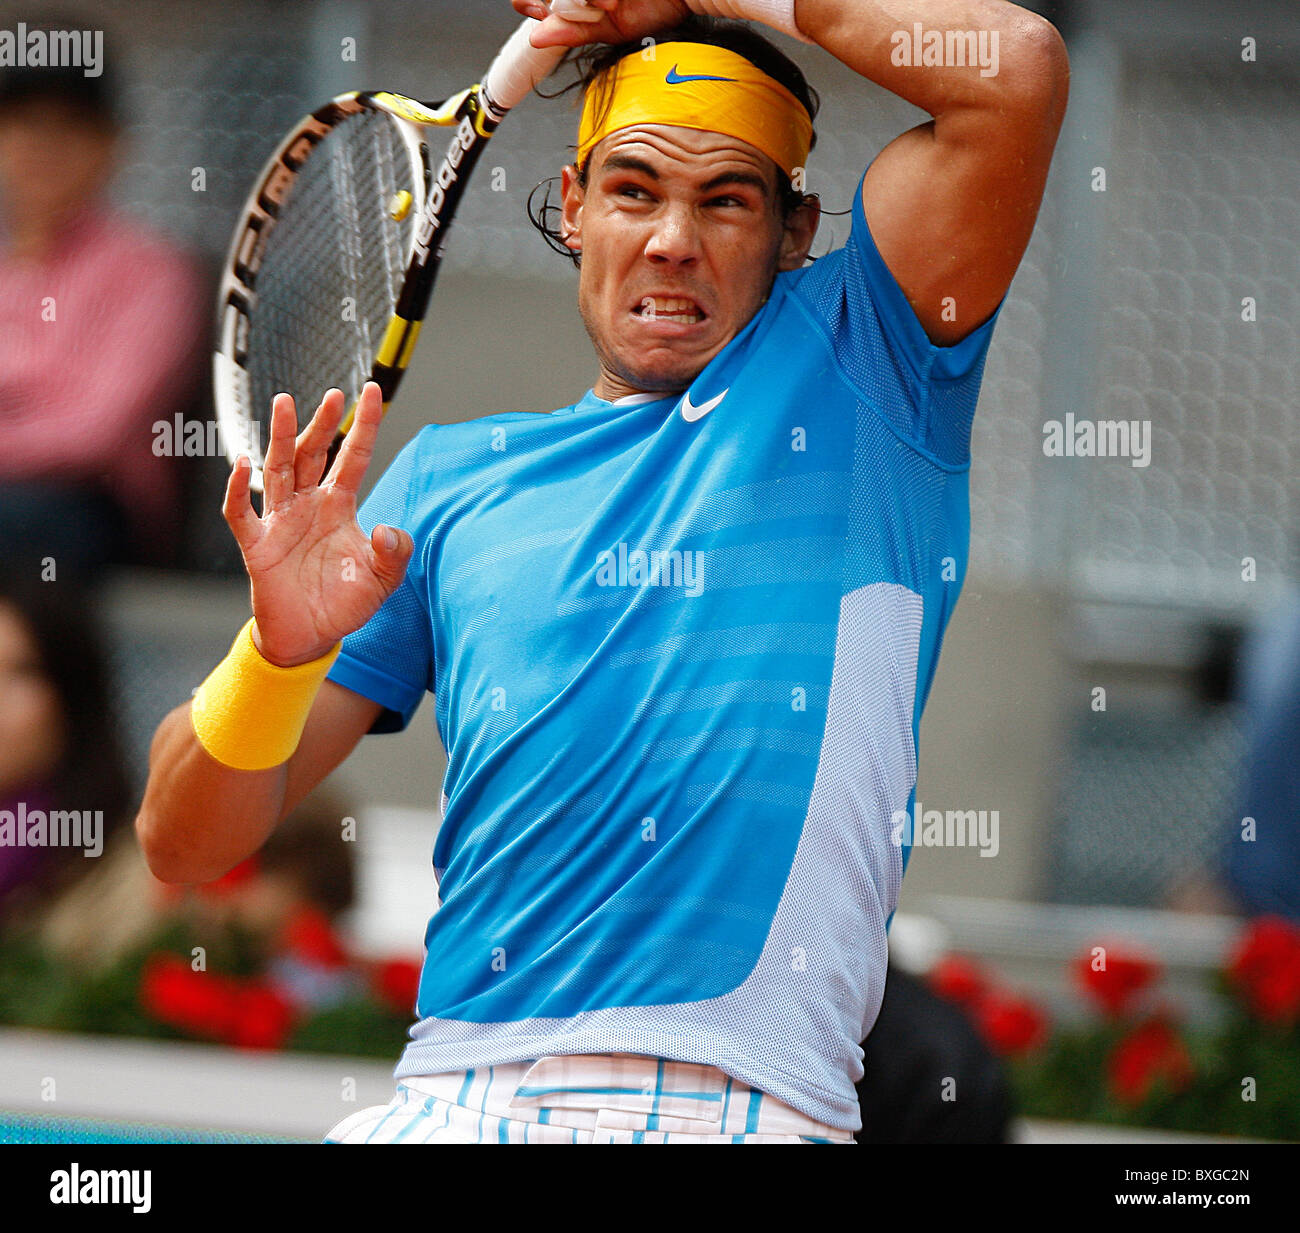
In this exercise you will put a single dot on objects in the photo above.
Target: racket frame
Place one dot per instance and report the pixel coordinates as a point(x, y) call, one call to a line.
point(474, 114)
point(237, 298)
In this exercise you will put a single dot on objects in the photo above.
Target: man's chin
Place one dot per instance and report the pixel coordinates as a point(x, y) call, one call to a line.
point(661, 378)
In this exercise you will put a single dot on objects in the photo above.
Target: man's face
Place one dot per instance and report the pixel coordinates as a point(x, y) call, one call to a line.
point(31, 717)
point(681, 234)
point(53, 160)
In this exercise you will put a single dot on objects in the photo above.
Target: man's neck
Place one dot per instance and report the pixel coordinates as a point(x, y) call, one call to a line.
point(611, 389)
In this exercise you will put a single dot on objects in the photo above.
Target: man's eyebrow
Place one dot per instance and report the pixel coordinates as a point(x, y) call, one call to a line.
point(629, 162)
point(752, 178)
point(626, 162)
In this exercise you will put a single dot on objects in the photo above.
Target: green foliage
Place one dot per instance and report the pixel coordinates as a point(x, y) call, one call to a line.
point(39, 990)
point(1068, 1081)
point(361, 1027)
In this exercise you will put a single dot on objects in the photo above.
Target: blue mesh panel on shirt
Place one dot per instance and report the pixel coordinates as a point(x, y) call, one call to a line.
point(952, 410)
point(836, 290)
point(927, 393)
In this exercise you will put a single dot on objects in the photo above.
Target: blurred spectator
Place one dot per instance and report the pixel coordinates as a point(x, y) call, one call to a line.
point(285, 900)
point(58, 743)
point(1263, 875)
point(100, 324)
point(272, 957)
point(928, 1075)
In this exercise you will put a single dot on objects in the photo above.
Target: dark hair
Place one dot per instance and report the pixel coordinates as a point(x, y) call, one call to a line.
point(91, 773)
point(592, 61)
point(96, 98)
point(308, 848)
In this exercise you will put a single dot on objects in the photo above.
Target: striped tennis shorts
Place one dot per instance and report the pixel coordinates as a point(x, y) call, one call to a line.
point(587, 1098)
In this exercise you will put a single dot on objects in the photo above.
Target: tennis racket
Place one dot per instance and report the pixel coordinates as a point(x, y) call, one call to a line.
point(333, 262)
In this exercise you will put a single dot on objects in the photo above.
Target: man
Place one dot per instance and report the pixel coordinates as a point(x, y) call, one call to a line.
point(679, 633)
point(101, 322)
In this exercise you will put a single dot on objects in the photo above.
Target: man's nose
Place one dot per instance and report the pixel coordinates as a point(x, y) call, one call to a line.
point(676, 237)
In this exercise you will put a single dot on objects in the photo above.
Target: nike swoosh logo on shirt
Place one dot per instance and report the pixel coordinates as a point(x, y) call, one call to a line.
point(691, 413)
point(675, 79)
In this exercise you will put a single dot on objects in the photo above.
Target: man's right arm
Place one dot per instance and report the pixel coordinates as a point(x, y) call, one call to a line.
point(314, 577)
point(200, 818)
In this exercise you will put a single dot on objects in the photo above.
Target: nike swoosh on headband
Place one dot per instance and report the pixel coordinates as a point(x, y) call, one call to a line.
point(691, 413)
point(675, 79)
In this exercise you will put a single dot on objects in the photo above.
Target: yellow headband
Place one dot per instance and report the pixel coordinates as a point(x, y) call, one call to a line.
point(698, 85)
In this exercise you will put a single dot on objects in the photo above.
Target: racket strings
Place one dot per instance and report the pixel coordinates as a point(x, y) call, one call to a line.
point(333, 267)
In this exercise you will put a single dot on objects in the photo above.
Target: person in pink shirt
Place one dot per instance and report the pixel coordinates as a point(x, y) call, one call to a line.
point(101, 322)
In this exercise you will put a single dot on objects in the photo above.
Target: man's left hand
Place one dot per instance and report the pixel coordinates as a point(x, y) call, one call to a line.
point(624, 21)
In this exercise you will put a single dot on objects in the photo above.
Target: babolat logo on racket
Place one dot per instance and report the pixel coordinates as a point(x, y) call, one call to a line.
point(410, 109)
point(466, 136)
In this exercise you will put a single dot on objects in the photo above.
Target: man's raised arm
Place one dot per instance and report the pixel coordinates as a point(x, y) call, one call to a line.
point(951, 204)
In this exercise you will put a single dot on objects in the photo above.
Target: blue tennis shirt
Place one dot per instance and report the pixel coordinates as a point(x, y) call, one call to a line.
point(679, 662)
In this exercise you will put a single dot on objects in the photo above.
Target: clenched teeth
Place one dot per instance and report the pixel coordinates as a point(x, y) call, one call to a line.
point(681, 311)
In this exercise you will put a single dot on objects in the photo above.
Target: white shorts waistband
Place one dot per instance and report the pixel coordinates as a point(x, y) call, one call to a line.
point(637, 1092)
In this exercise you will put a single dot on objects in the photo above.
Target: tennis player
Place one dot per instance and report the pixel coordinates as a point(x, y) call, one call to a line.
point(680, 633)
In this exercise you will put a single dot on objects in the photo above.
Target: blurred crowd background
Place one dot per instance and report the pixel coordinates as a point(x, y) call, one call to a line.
point(1121, 681)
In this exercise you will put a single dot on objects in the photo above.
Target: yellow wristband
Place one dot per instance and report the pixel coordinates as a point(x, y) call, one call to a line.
point(249, 714)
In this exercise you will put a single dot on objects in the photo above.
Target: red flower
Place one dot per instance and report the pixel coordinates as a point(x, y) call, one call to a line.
point(212, 1006)
point(1265, 967)
point(263, 1019)
point(196, 1002)
point(959, 980)
point(309, 936)
point(397, 982)
point(1114, 978)
point(1276, 997)
point(1149, 1054)
point(1011, 1025)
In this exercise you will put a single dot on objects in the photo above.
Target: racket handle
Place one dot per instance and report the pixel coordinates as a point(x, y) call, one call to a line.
point(519, 65)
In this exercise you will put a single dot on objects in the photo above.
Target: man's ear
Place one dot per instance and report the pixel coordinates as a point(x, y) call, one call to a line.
point(800, 231)
point(572, 194)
